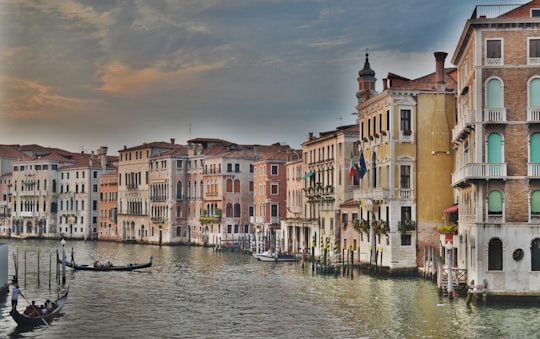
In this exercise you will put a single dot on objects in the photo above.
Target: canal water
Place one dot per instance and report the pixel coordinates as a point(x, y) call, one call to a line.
point(193, 292)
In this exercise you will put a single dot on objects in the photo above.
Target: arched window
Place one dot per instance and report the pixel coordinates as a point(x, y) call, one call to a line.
point(494, 155)
point(179, 212)
point(535, 204)
point(179, 190)
point(534, 152)
point(535, 255)
point(229, 210)
point(237, 186)
point(495, 255)
point(495, 203)
point(534, 94)
point(237, 210)
point(229, 185)
point(494, 98)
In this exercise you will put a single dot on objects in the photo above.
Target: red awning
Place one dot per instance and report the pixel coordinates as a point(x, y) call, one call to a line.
point(452, 209)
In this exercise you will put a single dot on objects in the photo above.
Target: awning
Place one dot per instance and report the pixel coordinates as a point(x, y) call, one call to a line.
point(308, 175)
point(452, 209)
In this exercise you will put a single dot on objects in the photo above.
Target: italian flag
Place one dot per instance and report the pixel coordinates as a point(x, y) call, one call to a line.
point(351, 170)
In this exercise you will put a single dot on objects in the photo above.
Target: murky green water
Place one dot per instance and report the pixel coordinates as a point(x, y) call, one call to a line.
point(196, 292)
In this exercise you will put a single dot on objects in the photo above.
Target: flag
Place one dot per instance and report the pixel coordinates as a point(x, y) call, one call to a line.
point(362, 170)
point(351, 170)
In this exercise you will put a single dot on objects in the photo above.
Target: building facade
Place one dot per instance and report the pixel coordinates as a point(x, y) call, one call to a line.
point(497, 140)
point(405, 143)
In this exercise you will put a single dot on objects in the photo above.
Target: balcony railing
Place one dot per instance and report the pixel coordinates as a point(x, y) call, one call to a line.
point(464, 126)
point(376, 194)
point(533, 169)
point(494, 115)
point(493, 11)
point(406, 136)
point(482, 171)
point(406, 225)
point(533, 114)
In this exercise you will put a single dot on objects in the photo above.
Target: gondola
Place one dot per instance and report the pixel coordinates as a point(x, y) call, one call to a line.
point(107, 266)
point(35, 320)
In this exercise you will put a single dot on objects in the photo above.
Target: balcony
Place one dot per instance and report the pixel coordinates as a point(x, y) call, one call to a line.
point(494, 115)
point(464, 127)
point(376, 194)
point(406, 136)
point(479, 171)
point(533, 115)
point(533, 170)
point(256, 220)
point(405, 226)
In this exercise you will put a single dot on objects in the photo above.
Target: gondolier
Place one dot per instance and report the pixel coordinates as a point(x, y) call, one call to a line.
point(15, 297)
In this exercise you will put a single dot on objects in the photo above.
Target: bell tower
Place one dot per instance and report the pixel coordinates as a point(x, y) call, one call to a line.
point(366, 82)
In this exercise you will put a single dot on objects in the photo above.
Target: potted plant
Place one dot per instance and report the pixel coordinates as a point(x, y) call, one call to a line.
point(407, 132)
point(447, 229)
point(383, 132)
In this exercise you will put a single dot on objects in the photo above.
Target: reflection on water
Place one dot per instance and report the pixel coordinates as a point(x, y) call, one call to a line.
point(196, 292)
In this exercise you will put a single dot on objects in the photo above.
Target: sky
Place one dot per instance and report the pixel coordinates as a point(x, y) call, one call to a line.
point(80, 74)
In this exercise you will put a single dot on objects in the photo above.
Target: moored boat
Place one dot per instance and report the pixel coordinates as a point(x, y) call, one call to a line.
point(97, 266)
point(42, 319)
point(268, 257)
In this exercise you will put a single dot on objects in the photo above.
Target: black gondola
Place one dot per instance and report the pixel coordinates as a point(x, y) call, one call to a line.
point(35, 320)
point(107, 266)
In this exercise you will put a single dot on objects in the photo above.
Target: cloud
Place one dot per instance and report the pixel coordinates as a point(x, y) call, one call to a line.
point(120, 78)
point(31, 100)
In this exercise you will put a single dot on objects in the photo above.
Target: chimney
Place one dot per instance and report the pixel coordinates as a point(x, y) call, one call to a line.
point(103, 154)
point(310, 136)
point(172, 141)
point(439, 70)
point(384, 84)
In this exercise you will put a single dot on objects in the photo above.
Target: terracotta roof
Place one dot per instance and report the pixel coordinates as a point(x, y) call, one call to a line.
point(425, 83)
point(155, 144)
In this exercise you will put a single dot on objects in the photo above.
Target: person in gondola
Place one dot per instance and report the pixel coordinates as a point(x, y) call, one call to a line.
point(15, 297)
point(48, 306)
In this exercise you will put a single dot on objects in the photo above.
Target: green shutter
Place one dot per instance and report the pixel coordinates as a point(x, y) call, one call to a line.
point(535, 202)
point(495, 201)
point(534, 94)
point(494, 94)
point(494, 148)
point(535, 148)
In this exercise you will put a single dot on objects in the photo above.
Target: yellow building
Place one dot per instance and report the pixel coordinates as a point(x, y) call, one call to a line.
point(405, 140)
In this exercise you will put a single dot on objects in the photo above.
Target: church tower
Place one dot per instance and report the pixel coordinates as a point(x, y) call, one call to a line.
point(366, 82)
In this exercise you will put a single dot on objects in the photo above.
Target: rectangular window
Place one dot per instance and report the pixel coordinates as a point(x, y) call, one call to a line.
point(405, 121)
point(274, 210)
point(405, 176)
point(274, 189)
point(178, 164)
point(229, 169)
point(237, 168)
point(94, 205)
point(274, 170)
point(494, 54)
point(534, 51)
point(535, 12)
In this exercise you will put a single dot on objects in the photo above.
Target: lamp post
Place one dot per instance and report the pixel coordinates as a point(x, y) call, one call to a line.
point(449, 267)
point(63, 242)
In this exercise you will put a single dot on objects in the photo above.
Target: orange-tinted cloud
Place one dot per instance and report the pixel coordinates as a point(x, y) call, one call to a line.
point(119, 78)
point(28, 99)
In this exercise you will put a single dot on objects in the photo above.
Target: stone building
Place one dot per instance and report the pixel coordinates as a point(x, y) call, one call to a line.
point(497, 140)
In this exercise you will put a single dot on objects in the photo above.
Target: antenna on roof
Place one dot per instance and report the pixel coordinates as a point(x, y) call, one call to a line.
point(340, 120)
point(189, 131)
